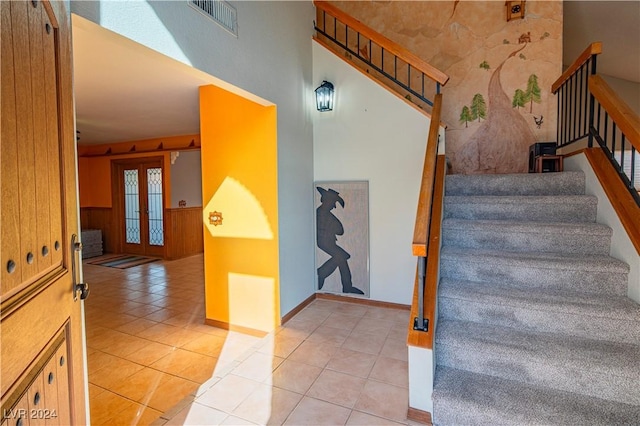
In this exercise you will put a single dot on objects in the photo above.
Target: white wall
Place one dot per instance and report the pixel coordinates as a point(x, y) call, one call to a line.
point(629, 91)
point(621, 246)
point(373, 135)
point(186, 179)
point(272, 59)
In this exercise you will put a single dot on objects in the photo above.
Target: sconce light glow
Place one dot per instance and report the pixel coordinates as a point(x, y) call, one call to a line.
point(324, 96)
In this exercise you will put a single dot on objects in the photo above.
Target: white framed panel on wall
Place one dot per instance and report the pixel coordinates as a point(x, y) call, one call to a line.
point(342, 237)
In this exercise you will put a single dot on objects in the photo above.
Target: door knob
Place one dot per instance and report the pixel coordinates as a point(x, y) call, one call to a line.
point(83, 289)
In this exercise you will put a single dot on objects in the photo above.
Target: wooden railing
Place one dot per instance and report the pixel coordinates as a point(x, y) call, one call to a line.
point(588, 109)
point(416, 80)
point(426, 237)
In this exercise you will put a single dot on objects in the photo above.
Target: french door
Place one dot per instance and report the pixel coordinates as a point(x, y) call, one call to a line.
point(140, 205)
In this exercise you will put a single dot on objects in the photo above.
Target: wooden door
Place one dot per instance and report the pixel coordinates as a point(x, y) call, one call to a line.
point(42, 363)
point(139, 194)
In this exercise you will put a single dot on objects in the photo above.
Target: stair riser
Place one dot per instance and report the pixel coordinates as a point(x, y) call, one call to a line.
point(523, 184)
point(604, 282)
point(530, 213)
point(545, 242)
point(541, 369)
point(584, 325)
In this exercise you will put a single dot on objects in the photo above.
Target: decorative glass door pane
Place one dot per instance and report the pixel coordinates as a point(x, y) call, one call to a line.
point(154, 194)
point(132, 206)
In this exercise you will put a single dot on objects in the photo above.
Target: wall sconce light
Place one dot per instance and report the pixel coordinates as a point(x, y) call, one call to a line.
point(324, 96)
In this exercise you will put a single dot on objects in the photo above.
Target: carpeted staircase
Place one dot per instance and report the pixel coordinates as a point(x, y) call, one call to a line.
point(534, 323)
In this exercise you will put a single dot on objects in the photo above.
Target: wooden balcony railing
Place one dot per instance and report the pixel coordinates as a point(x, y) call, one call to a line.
point(588, 109)
point(387, 61)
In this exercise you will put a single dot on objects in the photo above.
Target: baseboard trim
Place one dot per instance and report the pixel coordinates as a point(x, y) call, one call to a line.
point(360, 301)
point(297, 309)
point(419, 416)
point(240, 329)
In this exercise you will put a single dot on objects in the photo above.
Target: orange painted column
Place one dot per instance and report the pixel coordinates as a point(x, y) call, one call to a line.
point(240, 199)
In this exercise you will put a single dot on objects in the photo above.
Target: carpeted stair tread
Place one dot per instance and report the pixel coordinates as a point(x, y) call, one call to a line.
point(566, 183)
point(597, 316)
point(574, 364)
point(583, 238)
point(466, 398)
point(552, 208)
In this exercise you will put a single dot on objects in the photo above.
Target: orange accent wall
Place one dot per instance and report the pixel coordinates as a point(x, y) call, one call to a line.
point(239, 161)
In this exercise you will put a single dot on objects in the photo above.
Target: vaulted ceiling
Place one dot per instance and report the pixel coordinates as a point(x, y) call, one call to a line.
point(126, 92)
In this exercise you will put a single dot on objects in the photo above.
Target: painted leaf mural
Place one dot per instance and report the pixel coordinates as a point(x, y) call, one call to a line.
point(519, 99)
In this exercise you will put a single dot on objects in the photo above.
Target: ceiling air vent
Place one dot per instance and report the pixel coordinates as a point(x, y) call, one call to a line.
point(220, 11)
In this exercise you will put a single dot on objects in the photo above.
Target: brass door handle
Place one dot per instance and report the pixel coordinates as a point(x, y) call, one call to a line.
point(82, 288)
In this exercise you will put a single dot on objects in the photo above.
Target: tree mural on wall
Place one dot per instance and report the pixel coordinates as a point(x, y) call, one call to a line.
point(519, 99)
point(533, 91)
point(485, 65)
point(465, 116)
point(478, 107)
point(499, 144)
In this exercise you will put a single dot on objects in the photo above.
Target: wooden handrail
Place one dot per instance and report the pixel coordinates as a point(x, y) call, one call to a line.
point(419, 245)
point(424, 339)
point(625, 118)
point(594, 48)
point(399, 51)
point(623, 203)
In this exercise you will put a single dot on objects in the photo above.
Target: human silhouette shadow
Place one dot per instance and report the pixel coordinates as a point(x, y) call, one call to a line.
point(328, 227)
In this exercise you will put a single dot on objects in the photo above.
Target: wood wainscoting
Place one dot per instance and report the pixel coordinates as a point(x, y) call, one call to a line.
point(101, 218)
point(184, 232)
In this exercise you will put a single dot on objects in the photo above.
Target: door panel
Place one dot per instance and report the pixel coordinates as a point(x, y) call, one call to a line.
point(38, 315)
point(139, 201)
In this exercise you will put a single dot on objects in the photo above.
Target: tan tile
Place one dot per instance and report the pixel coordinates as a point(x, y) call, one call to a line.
point(257, 366)
point(311, 411)
point(279, 346)
point(116, 320)
point(352, 362)
point(150, 353)
point(94, 390)
point(99, 360)
point(143, 310)
point(341, 320)
point(396, 349)
point(337, 388)
point(392, 371)
point(313, 314)
point(353, 309)
point(201, 371)
point(295, 376)
point(372, 326)
point(107, 404)
point(171, 392)
point(268, 405)
point(388, 314)
point(228, 393)
point(364, 342)
point(140, 385)
point(236, 421)
point(176, 361)
point(313, 353)
point(384, 400)
point(179, 338)
point(135, 414)
point(162, 314)
point(114, 373)
point(207, 344)
point(198, 414)
point(329, 335)
point(136, 326)
point(125, 345)
point(296, 328)
point(362, 419)
point(159, 330)
point(399, 331)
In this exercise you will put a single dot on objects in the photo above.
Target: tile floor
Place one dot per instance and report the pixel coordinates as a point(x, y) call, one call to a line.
point(151, 359)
